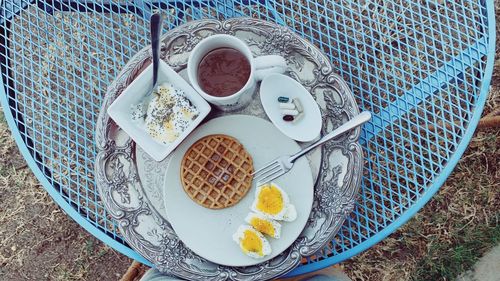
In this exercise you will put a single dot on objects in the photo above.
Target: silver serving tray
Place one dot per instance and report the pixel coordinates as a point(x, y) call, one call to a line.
point(130, 182)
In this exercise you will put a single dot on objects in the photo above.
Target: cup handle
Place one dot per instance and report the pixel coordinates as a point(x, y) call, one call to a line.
point(267, 65)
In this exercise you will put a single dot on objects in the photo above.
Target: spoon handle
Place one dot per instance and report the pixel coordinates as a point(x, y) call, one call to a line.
point(155, 25)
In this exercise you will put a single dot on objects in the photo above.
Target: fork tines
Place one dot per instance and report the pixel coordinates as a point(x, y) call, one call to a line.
point(268, 172)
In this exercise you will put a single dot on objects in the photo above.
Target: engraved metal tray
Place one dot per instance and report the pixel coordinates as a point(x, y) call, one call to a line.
point(130, 182)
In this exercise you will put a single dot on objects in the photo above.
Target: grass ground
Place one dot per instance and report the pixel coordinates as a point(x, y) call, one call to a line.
point(39, 242)
point(452, 231)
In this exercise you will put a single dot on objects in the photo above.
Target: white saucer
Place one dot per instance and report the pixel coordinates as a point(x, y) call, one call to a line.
point(209, 232)
point(306, 128)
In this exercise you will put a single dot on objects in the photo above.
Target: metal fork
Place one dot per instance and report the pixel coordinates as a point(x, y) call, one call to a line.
point(283, 164)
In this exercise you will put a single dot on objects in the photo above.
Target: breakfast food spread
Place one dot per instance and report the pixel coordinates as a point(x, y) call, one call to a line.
point(168, 114)
point(216, 171)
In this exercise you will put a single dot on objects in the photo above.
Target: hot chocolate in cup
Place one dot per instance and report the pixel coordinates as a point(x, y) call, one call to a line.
point(222, 69)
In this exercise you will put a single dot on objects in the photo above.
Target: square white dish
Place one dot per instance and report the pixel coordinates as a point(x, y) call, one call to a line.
point(121, 109)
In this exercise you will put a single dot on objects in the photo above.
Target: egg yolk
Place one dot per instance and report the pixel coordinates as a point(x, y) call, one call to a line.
point(168, 125)
point(251, 242)
point(270, 200)
point(263, 226)
point(187, 113)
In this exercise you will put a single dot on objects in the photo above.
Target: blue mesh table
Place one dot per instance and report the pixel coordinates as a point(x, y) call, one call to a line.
point(421, 67)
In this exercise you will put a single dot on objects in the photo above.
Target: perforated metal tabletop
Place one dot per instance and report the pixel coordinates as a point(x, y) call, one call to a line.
point(422, 68)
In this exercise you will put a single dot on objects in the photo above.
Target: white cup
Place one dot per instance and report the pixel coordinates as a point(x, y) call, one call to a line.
point(260, 68)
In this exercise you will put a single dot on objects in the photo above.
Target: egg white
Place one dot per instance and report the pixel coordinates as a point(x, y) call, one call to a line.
point(238, 236)
point(288, 213)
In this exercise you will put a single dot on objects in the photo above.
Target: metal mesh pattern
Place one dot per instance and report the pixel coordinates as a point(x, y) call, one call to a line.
point(421, 67)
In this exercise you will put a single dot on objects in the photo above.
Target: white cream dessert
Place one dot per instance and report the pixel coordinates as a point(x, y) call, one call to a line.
point(169, 113)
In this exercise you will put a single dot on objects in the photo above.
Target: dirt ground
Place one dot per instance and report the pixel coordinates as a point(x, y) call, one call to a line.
point(39, 242)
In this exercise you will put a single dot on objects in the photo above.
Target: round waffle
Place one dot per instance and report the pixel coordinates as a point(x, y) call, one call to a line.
point(216, 171)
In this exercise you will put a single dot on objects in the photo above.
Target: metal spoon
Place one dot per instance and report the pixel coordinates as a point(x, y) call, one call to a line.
point(156, 22)
point(155, 25)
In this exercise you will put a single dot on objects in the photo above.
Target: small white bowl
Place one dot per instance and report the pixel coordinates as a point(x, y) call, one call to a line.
point(120, 110)
point(306, 128)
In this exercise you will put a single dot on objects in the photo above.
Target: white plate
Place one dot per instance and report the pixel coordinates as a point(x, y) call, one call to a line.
point(305, 129)
point(209, 232)
point(120, 110)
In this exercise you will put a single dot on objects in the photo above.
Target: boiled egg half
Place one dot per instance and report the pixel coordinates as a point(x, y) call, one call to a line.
point(252, 242)
point(272, 202)
point(264, 225)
